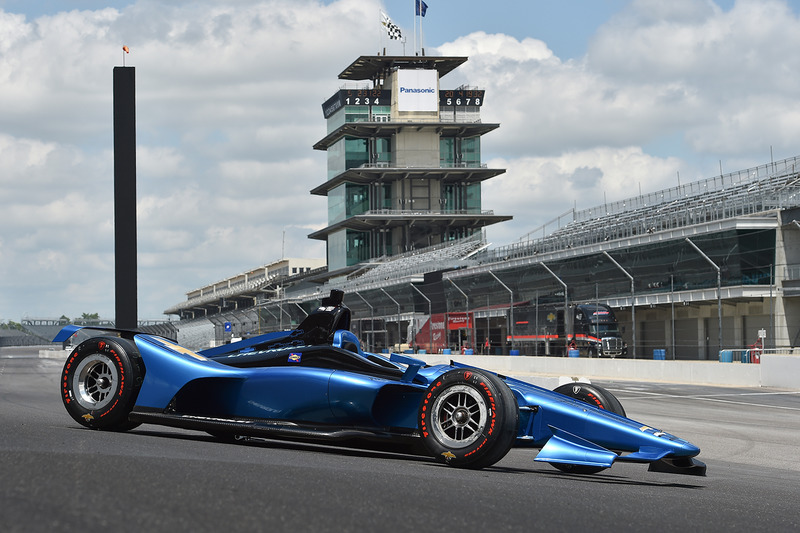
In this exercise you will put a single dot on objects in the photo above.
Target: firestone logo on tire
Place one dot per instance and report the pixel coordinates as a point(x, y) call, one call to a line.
point(467, 375)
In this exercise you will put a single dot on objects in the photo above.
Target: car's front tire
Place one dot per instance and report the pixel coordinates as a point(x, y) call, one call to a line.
point(593, 395)
point(468, 418)
point(100, 382)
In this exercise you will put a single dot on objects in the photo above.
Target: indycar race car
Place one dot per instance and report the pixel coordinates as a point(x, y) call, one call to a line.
point(315, 383)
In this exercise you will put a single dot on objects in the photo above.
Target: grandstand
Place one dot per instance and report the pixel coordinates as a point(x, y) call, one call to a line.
point(243, 290)
point(412, 265)
point(748, 192)
point(15, 337)
point(691, 269)
point(41, 331)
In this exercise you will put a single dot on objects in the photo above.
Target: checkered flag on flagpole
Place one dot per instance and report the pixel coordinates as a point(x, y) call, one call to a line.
point(392, 29)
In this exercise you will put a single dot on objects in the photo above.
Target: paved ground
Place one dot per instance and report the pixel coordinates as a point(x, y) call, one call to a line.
point(55, 475)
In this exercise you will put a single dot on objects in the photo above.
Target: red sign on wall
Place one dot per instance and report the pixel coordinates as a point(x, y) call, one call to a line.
point(459, 321)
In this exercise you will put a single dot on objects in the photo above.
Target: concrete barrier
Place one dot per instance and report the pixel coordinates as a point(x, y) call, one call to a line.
point(781, 371)
point(54, 354)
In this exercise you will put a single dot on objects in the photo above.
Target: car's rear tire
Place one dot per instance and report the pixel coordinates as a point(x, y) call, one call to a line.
point(593, 395)
point(468, 418)
point(100, 382)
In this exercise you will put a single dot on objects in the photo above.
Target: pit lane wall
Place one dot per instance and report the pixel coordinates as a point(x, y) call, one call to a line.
point(779, 371)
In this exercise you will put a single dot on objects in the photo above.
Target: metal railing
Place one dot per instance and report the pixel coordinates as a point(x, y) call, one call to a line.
point(747, 192)
point(447, 212)
point(387, 164)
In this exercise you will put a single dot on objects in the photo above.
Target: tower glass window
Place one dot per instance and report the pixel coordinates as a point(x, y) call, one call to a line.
point(383, 151)
point(336, 159)
point(473, 197)
point(336, 204)
point(356, 113)
point(357, 247)
point(471, 152)
point(386, 196)
point(461, 197)
point(356, 152)
point(357, 199)
point(447, 152)
point(460, 152)
point(381, 113)
point(347, 200)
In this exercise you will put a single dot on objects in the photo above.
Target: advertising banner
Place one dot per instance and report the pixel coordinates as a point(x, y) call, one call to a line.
point(459, 320)
point(417, 90)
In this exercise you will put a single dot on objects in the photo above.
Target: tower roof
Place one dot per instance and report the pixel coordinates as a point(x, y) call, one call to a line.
point(386, 129)
point(371, 67)
point(366, 175)
point(388, 218)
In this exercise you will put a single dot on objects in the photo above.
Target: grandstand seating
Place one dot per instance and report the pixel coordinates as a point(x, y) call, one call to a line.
point(168, 330)
point(196, 334)
point(43, 329)
point(15, 337)
point(242, 287)
point(388, 270)
point(743, 193)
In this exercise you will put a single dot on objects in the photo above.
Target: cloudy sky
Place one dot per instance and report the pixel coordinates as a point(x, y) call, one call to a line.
point(596, 99)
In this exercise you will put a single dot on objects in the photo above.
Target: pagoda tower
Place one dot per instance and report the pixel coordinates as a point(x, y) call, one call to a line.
point(404, 160)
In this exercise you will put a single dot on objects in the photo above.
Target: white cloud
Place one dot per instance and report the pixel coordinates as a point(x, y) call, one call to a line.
point(738, 66)
point(229, 98)
point(229, 101)
point(685, 75)
point(546, 106)
point(537, 190)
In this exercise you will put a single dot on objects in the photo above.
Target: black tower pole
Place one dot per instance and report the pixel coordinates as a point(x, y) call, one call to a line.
point(125, 197)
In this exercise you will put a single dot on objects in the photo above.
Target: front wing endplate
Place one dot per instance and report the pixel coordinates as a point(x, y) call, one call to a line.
point(564, 447)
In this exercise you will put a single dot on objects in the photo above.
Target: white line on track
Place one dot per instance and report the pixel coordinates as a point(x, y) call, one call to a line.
point(715, 398)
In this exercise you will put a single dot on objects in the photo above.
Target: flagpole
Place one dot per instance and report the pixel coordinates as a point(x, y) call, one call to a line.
point(415, 26)
point(419, 11)
point(421, 39)
point(421, 35)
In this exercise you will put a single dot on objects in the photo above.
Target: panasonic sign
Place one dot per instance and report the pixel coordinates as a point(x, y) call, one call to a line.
point(417, 90)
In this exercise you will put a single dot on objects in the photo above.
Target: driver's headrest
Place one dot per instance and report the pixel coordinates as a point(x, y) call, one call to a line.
point(319, 326)
point(334, 299)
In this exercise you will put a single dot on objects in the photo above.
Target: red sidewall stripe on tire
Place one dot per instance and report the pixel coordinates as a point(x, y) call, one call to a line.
point(102, 347)
point(493, 410)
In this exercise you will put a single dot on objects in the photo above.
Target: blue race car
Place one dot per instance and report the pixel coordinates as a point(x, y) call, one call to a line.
point(315, 383)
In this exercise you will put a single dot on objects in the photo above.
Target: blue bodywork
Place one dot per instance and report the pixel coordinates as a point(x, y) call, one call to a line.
point(280, 386)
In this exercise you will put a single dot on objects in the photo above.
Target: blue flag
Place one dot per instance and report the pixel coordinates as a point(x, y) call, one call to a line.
point(422, 7)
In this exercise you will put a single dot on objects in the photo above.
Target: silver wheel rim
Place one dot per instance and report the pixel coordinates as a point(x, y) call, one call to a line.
point(459, 416)
point(94, 381)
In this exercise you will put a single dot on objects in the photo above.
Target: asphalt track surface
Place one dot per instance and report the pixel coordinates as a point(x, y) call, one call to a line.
point(57, 476)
